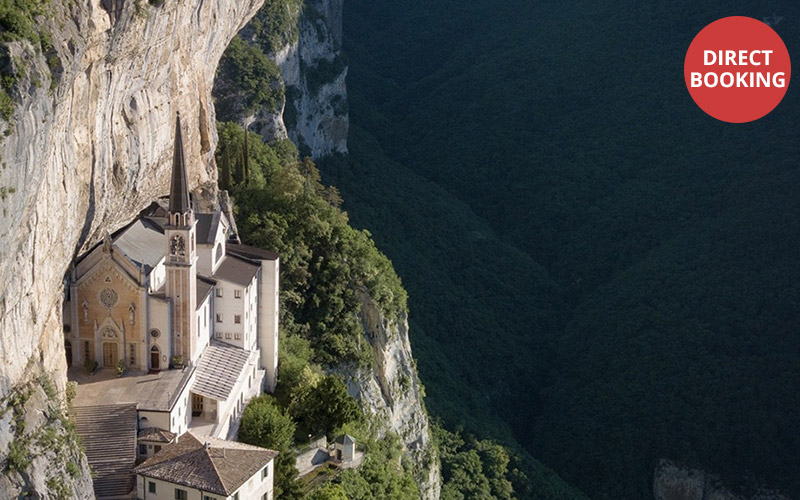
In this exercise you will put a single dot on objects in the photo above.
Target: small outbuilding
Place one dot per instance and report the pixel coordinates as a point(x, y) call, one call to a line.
point(345, 448)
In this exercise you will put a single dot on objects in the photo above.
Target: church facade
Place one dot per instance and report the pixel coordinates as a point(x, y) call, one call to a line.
point(175, 298)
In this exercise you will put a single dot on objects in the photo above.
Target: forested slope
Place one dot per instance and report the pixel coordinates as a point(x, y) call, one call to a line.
point(590, 258)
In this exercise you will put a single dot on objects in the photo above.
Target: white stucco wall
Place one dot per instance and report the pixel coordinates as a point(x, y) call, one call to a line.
point(204, 323)
point(158, 319)
point(177, 419)
point(241, 334)
point(157, 276)
point(268, 305)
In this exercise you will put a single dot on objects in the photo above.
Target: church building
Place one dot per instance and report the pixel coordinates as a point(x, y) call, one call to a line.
point(175, 299)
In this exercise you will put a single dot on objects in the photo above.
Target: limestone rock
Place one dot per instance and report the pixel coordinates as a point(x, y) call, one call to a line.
point(82, 157)
point(392, 391)
point(315, 66)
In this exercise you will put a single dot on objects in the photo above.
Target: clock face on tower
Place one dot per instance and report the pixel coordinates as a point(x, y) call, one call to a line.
point(177, 246)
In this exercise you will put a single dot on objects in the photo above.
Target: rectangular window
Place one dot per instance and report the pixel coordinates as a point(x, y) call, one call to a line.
point(237, 294)
point(237, 318)
point(151, 487)
point(156, 449)
point(181, 494)
point(219, 292)
point(86, 350)
point(206, 497)
point(142, 449)
point(238, 336)
point(218, 335)
point(219, 318)
point(132, 354)
point(265, 472)
point(236, 496)
point(228, 335)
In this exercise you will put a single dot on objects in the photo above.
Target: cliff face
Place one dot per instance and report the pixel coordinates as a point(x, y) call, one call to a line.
point(314, 72)
point(392, 392)
point(85, 155)
point(676, 482)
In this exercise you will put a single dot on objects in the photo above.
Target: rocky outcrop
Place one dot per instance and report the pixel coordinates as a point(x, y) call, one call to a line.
point(83, 155)
point(392, 392)
point(313, 111)
point(314, 71)
point(675, 482)
point(39, 445)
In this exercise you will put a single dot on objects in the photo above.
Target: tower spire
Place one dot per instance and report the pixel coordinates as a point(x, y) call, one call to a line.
point(179, 188)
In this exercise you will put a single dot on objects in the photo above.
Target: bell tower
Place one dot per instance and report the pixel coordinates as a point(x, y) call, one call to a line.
point(181, 261)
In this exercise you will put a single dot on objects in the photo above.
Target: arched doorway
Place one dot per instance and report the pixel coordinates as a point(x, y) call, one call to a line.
point(110, 345)
point(155, 358)
point(68, 350)
point(110, 354)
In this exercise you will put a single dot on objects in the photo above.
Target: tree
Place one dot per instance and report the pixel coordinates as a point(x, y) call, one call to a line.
point(328, 491)
point(327, 406)
point(265, 424)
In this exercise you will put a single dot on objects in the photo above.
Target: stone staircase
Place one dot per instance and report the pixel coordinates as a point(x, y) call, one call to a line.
point(109, 436)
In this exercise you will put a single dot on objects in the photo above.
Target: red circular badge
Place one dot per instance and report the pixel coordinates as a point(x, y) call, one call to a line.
point(737, 69)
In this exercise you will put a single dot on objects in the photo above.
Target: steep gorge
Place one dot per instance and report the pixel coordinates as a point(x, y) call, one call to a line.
point(313, 114)
point(89, 144)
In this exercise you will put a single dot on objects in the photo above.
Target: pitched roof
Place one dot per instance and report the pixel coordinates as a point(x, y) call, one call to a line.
point(207, 225)
point(345, 439)
point(155, 434)
point(218, 369)
point(204, 286)
point(179, 185)
point(221, 468)
point(142, 242)
point(252, 252)
point(236, 270)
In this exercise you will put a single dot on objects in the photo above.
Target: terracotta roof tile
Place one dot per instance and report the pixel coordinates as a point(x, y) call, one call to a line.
point(156, 435)
point(207, 464)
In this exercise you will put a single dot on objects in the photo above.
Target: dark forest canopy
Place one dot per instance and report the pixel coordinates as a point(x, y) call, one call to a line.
point(621, 268)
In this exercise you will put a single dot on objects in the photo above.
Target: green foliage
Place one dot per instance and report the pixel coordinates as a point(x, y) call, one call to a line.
point(17, 19)
point(382, 475)
point(328, 491)
point(247, 80)
point(18, 457)
point(474, 469)
point(275, 24)
point(265, 424)
point(636, 298)
point(325, 406)
point(7, 105)
point(73, 470)
point(325, 263)
point(322, 71)
point(90, 365)
point(59, 489)
point(71, 391)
